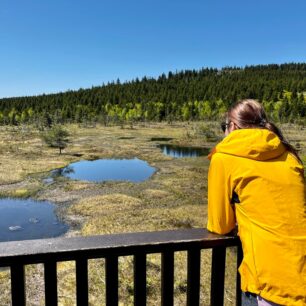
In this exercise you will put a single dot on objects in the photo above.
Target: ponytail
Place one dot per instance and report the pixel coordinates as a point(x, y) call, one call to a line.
point(273, 128)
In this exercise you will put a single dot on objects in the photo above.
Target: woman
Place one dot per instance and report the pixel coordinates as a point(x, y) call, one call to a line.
point(256, 181)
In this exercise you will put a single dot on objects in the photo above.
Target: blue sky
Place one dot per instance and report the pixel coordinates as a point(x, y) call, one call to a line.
point(49, 46)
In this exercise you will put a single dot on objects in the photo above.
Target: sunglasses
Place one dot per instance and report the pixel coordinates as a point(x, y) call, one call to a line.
point(224, 126)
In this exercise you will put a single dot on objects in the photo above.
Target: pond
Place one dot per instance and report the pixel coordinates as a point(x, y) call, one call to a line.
point(22, 219)
point(178, 151)
point(134, 170)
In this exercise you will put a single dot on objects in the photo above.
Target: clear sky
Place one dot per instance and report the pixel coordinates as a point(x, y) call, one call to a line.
point(49, 46)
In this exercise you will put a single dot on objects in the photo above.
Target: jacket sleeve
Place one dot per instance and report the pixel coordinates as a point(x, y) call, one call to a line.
point(221, 216)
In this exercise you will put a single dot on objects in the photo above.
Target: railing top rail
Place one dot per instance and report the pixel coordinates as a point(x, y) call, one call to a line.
point(121, 244)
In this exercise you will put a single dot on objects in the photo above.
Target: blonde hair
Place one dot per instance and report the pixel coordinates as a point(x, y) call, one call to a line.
point(249, 113)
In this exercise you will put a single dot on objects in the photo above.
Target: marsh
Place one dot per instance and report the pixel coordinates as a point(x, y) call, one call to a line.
point(174, 197)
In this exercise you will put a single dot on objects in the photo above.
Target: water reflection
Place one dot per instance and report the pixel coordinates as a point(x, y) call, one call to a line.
point(178, 151)
point(134, 170)
point(62, 171)
point(161, 138)
point(126, 137)
point(57, 173)
point(28, 219)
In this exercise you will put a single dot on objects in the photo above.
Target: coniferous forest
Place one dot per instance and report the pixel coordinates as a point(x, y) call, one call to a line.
point(203, 94)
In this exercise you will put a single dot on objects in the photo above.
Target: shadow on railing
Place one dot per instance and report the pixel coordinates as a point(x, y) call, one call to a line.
point(50, 251)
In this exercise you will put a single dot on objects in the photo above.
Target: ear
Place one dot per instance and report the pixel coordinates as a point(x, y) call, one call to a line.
point(232, 126)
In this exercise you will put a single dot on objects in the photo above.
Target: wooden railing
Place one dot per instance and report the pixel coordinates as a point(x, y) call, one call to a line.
point(16, 255)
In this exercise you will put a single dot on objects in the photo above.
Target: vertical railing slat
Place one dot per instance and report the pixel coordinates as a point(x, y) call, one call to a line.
point(111, 276)
point(217, 276)
point(167, 278)
point(82, 281)
point(18, 285)
point(140, 283)
point(193, 277)
point(50, 283)
point(238, 281)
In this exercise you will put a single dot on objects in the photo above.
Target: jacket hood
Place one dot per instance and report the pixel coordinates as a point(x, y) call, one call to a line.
point(257, 144)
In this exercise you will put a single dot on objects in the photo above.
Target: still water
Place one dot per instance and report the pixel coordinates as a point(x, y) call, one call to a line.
point(178, 151)
point(134, 170)
point(28, 219)
point(161, 138)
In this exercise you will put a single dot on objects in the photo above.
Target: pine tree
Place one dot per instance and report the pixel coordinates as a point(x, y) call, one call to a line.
point(56, 137)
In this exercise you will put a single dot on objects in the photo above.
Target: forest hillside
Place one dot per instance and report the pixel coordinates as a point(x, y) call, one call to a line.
point(183, 95)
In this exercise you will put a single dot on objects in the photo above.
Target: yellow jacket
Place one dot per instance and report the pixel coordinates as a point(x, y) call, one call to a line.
point(253, 166)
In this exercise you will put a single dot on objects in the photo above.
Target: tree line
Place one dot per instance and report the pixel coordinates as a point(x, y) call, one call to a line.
point(203, 94)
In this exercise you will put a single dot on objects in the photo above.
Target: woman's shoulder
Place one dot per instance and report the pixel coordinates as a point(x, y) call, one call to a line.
point(227, 160)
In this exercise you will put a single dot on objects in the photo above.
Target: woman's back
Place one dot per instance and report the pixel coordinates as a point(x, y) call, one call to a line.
point(269, 206)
